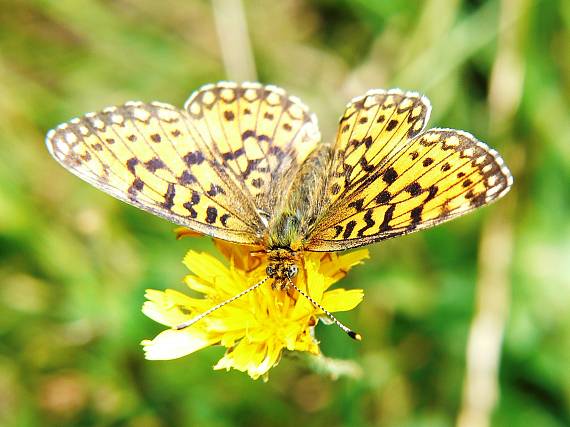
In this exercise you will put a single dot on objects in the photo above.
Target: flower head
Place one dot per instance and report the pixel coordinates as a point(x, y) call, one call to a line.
point(257, 327)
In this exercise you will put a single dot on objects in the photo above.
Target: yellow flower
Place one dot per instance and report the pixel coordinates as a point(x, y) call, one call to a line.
point(257, 327)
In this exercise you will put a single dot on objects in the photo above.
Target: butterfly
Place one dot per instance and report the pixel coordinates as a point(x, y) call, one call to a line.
point(245, 163)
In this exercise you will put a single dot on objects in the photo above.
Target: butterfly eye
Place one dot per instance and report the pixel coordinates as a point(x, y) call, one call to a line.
point(292, 271)
point(270, 271)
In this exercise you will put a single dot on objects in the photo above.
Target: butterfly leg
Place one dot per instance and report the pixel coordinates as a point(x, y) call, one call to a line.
point(290, 291)
point(284, 287)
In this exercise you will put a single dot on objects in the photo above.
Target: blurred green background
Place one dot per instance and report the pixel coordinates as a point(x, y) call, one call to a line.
point(467, 324)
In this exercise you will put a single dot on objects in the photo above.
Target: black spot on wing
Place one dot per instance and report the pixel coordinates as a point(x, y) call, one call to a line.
point(193, 158)
point(478, 200)
point(187, 178)
point(169, 196)
point(337, 231)
point(264, 138)
point(390, 175)
point(414, 189)
point(215, 190)
point(251, 166)
point(153, 164)
point(232, 155)
point(189, 206)
point(383, 197)
point(348, 230)
point(369, 223)
point(211, 214)
point(365, 165)
point(335, 189)
point(131, 163)
point(357, 205)
point(385, 226)
point(391, 125)
point(416, 214)
point(135, 187)
point(248, 134)
point(432, 193)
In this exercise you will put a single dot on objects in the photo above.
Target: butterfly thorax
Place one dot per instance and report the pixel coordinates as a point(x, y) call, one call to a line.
point(300, 204)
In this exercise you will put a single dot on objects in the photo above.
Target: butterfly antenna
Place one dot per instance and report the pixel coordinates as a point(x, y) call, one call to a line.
point(218, 306)
point(349, 332)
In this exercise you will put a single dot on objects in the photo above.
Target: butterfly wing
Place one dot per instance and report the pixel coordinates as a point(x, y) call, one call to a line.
point(388, 178)
point(261, 135)
point(180, 164)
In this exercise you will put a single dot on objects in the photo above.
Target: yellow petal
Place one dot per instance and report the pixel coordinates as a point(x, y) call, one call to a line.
point(342, 300)
point(314, 288)
point(198, 285)
point(336, 266)
point(169, 308)
point(206, 267)
point(271, 359)
point(243, 257)
point(254, 358)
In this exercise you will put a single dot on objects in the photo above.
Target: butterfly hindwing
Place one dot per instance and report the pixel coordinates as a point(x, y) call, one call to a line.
point(421, 179)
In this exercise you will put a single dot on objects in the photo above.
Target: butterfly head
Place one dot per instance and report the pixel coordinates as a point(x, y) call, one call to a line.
point(282, 265)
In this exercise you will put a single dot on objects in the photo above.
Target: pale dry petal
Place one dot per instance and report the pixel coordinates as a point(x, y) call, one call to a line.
point(172, 344)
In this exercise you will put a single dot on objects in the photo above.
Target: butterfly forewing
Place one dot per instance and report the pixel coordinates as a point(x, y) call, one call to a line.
point(420, 181)
point(146, 155)
point(207, 167)
point(371, 129)
point(258, 133)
